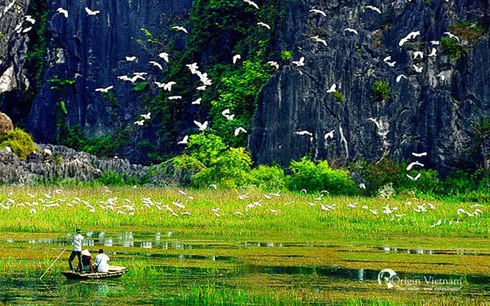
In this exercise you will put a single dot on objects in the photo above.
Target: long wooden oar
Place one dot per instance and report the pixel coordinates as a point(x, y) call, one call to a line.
point(53, 263)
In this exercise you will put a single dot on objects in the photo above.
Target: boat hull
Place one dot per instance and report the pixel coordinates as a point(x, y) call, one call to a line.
point(114, 271)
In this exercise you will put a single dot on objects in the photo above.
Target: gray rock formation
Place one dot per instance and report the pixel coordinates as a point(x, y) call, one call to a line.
point(13, 46)
point(5, 123)
point(58, 163)
point(425, 111)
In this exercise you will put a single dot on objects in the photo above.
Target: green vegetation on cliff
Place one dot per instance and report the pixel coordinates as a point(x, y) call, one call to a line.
point(38, 46)
point(234, 86)
point(468, 33)
point(380, 91)
point(19, 141)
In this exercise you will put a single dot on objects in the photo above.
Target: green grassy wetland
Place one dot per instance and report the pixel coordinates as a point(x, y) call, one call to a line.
point(243, 247)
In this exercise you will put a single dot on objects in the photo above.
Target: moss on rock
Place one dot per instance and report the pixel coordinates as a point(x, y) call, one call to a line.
point(19, 141)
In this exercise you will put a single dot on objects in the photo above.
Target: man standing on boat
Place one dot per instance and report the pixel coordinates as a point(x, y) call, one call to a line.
point(77, 250)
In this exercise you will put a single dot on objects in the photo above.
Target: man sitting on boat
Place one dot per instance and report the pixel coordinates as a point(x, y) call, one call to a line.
point(87, 261)
point(101, 262)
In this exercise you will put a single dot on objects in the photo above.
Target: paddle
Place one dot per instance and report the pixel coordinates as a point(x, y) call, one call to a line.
point(53, 263)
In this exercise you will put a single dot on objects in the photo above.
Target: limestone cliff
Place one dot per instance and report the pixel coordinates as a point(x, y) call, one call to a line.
point(434, 110)
point(13, 47)
point(90, 52)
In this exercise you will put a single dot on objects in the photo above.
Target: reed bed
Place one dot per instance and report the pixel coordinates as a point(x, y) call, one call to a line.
point(234, 212)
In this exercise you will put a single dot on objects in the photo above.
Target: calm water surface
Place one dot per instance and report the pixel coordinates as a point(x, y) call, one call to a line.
point(168, 267)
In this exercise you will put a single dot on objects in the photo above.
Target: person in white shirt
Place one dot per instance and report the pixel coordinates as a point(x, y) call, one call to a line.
point(77, 250)
point(102, 262)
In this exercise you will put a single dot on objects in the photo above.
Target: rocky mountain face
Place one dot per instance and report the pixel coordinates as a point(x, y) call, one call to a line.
point(432, 111)
point(90, 52)
point(13, 48)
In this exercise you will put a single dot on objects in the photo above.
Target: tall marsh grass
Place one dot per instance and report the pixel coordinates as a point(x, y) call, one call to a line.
point(222, 212)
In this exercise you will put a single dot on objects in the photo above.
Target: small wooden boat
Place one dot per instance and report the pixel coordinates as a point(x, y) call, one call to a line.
point(114, 271)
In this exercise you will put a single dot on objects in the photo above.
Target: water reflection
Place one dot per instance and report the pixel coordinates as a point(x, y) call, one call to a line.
point(88, 242)
point(146, 244)
point(108, 242)
point(102, 289)
point(101, 236)
point(387, 249)
point(359, 274)
point(29, 290)
point(164, 241)
point(126, 239)
point(181, 270)
point(332, 271)
point(270, 244)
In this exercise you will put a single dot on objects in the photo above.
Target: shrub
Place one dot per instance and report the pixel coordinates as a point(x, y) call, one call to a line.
point(19, 141)
point(387, 171)
point(312, 176)
point(427, 183)
point(179, 169)
point(463, 185)
point(232, 169)
point(187, 162)
point(482, 179)
point(211, 162)
point(380, 91)
point(339, 96)
point(140, 86)
point(104, 145)
point(268, 177)
point(463, 182)
point(377, 175)
point(451, 47)
point(286, 55)
point(470, 31)
point(116, 179)
point(206, 148)
point(474, 196)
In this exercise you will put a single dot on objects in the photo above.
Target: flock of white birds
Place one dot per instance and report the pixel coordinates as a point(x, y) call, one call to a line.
point(418, 69)
point(167, 86)
point(206, 81)
point(23, 28)
point(183, 206)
